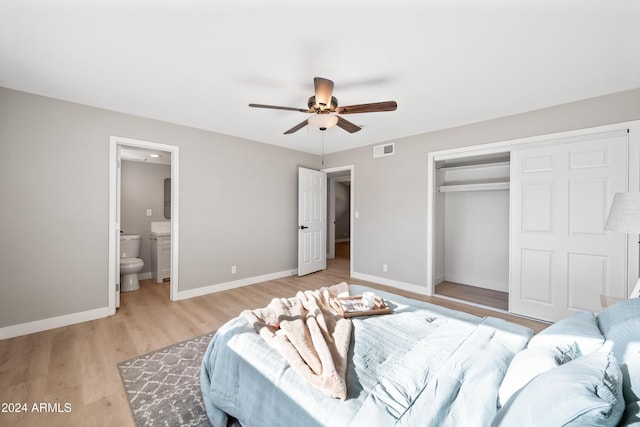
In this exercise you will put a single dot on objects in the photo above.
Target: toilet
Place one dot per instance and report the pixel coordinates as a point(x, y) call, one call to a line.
point(130, 264)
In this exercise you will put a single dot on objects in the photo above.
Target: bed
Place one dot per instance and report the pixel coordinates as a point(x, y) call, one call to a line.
point(423, 365)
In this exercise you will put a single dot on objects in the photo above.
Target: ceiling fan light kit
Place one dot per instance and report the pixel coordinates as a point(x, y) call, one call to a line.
point(323, 121)
point(323, 103)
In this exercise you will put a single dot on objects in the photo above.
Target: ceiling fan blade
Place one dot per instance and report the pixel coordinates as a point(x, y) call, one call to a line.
point(347, 125)
point(324, 90)
point(296, 127)
point(275, 107)
point(373, 107)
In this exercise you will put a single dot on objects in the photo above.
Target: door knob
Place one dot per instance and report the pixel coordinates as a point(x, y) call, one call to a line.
point(303, 227)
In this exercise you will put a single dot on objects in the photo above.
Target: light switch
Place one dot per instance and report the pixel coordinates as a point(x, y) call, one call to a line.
point(357, 214)
point(148, 212)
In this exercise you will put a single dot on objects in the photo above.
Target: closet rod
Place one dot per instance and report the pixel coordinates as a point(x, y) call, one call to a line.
point(474, 187)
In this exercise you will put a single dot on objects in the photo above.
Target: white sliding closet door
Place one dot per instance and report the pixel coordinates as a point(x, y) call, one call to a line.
point(562, 260)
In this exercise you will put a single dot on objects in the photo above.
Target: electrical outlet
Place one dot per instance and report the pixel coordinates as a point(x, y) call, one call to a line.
point(233, 269)
point(149, 212)
point(384, 267)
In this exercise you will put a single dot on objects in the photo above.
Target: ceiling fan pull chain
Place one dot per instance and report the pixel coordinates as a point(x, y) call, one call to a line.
point(323, 147)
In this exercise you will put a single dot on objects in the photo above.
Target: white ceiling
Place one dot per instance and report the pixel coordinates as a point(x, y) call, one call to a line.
point(200, 62)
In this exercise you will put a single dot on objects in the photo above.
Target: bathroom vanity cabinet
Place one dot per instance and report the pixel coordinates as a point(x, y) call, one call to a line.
point(160, 256)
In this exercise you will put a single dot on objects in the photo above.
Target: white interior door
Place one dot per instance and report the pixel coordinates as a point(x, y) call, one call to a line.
point(562, 260)
point(312, 221)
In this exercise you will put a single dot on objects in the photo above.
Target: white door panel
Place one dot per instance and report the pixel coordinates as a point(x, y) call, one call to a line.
point(562, 259)
point(537, 207)
point(587, 196)
point(537, 275)
point(586, 275)
point(312, 211)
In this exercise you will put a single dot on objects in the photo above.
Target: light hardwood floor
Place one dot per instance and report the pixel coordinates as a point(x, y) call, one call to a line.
point(342, 250)
point(474, 294)
point(77, 364)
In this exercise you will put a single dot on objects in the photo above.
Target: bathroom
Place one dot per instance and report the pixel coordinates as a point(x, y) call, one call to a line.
point(145, 204)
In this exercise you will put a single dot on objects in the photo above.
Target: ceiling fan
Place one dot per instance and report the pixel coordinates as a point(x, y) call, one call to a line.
point(324, 107)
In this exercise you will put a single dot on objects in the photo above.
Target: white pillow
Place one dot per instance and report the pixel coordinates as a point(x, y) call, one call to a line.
point(531, 362)
point(581, 328)
point(584, 392)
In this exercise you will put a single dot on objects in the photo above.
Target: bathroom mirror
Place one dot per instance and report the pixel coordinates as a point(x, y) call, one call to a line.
point(167, 198)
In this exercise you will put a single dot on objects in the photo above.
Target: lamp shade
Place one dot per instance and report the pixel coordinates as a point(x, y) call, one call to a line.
point(323, 121)
point(625, 213)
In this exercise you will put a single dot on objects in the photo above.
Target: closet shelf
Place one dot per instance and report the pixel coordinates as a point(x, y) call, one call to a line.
point(481, 186)
point(476, 166)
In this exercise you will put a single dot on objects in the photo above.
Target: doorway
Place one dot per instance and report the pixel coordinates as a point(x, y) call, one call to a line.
point(117, 145)
point(472, 219)
point(340, 202)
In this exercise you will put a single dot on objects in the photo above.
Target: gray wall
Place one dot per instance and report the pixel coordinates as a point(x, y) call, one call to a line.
point(142, 188)
point(476, 245)
point(238, 205)
point(390, 193)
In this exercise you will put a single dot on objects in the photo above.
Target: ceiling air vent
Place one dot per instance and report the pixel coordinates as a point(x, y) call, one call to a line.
point(384, 150)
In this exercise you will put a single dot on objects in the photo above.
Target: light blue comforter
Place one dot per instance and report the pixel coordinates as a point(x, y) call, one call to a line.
point(423, 365)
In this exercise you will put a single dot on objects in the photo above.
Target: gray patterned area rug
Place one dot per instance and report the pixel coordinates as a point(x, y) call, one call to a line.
point(163, 387)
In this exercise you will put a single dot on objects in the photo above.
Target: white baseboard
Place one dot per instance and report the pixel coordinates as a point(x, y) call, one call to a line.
point(422, 290)
point(480, 283)
point(86, 316)
point(52, 323)
point(218, 287)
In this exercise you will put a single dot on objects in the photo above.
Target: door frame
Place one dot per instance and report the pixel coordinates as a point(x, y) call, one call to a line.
point(633, 127)
point(350, 168)
point(114, 197)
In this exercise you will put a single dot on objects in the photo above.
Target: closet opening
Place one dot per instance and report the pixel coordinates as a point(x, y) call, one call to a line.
point(472, 229)
point(547, 248)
